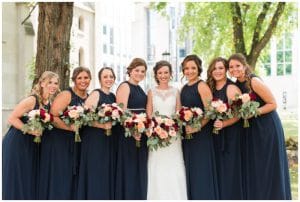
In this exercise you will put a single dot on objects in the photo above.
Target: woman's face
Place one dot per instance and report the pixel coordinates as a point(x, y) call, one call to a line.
point(82, 81)
point(50, 85)
point(138, 73)
point(236, 69)
point(190, 70)
point(107, 78)
point(219, 71)
point(163, 75)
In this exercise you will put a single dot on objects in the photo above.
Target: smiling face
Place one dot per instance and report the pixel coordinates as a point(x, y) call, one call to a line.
point(107, 79)
point(138, 73)
point(82, 81)
point(163, 75)
point(236, 69)
point(219, 71)
point(190, 71)
point(50, 85)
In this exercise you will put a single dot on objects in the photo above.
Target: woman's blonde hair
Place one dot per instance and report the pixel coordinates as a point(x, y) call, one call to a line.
point(38, 90)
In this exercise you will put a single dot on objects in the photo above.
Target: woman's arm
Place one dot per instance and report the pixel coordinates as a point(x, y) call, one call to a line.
point(23, 107)
point(60, 104)
point(149, 107)
point(122, 94)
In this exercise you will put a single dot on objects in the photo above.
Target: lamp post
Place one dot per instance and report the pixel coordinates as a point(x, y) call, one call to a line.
point(166, 56)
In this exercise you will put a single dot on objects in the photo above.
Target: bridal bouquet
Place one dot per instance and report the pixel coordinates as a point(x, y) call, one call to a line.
point(38, 120)
point(76, 115)
point(245, 106)
point(217, 109)
point(136, 124)
point(109, 113)
point(163, 130)
point(189, 116)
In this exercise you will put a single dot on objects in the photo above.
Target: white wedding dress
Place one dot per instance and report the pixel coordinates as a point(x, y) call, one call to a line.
point(166, 171)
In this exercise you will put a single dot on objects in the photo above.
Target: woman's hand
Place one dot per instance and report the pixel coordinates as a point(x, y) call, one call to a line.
point(218, 124)
point(190, 129)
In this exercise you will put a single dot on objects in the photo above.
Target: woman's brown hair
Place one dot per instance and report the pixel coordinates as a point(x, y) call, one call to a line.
point(135, 63)
point(210, 80)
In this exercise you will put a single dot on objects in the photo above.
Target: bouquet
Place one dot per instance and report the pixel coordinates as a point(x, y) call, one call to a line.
point(76, 115)
point(191, 117)
point(39, 119)
point(164, 129)
point(109, 113)
point(136, 124)
point(217, 109)
point(245, 106)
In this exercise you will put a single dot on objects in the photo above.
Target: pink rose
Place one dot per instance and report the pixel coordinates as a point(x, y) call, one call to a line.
point(73, 114)
point(169, 122)
point(245, 97)
point(163, 134)
point(172, 133)
point(188, 115)
point(222, 108)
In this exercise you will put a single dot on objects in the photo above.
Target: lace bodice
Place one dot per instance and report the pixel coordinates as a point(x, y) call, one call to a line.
point(164, 101)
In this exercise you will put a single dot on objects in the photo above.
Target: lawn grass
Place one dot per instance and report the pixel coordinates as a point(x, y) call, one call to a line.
point(290, 127)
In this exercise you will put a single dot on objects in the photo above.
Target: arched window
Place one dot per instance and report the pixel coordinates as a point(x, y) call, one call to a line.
point(81, 23)
point(81, 57)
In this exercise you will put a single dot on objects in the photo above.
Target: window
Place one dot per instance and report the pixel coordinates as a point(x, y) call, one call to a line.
point(111, 40)
point(81, 57)
point(182, 52)
point(104, 30)
point(104, 48)
point(81, 23)
point(284, 55)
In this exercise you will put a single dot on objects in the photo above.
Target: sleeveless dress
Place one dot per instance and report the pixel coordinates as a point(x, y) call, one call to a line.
point(96, 174)
point(166, 171)
point(264, 156)
point(228, 155)
point(131, 176)
point(199, 156)
point(20, 164)
point(59, 162)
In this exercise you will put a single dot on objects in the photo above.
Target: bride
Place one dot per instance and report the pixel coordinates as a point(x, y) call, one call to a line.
point(166, 171)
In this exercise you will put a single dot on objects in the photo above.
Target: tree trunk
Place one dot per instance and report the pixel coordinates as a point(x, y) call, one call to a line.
point(53, 43)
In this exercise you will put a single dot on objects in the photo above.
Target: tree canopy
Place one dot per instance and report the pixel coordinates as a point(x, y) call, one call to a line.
point(223, 28)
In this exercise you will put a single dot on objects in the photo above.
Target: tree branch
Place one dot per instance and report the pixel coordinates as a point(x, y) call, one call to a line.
point(259, 22)
point(255, 51)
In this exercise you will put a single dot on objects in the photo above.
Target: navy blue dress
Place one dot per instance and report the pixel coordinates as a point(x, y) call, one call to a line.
point(59, 162)
point(131, 176)
point(20, 164)
point(198, 153)
point(228, 155)
point(96, 172)
point(264, 159)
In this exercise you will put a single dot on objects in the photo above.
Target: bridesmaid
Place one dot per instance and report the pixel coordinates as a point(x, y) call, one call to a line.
point(131, 176)
point(59, 152)
point(265, 159)
point(19, 152)
point(96, 173)
point(198, 152)
point(227, 143)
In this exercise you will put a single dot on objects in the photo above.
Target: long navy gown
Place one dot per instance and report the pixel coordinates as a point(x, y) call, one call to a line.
point(228, 155)
point(131, 176)
point(59, 162)
point(199, 156)
point(264, 156)
point(20, 157)
point(96, 172)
